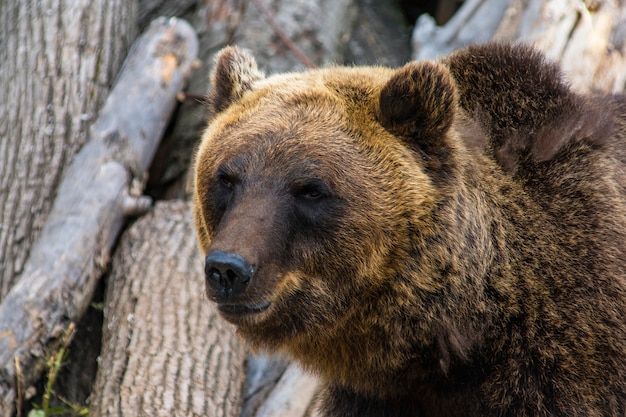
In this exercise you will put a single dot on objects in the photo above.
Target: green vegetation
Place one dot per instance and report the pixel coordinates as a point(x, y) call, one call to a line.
point(55, 363)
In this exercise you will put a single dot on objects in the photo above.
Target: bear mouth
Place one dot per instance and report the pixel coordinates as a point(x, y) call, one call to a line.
point(233, 310)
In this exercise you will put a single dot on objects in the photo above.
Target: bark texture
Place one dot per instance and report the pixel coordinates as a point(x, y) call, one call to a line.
point(152, 9)
point(165, 350)
point(292, 395)
point(102, 186)
point(319, 29)
point(380, 35)
point(59, 59)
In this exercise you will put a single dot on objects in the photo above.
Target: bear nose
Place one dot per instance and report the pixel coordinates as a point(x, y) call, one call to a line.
point(227, 273)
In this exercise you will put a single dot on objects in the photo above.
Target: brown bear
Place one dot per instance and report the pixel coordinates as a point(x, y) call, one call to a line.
point(444, 239)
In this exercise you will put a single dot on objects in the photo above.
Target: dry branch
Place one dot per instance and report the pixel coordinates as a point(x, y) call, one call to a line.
point(316, 27)
point(283, 36)
point(92, 202)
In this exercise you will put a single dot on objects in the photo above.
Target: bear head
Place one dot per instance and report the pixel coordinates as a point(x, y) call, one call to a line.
point(297, 185)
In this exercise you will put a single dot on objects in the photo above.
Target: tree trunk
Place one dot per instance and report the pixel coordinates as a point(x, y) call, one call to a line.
point(102, 186)
point(165, 350)
point(58, 60)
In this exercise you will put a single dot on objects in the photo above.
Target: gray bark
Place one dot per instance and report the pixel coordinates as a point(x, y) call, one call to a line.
point(152, 9)
point(58, 61)
point(292, 395)
point(263, 374)
point(379, 35)
point(102, 186)
point(318, 28)
point(165, 350)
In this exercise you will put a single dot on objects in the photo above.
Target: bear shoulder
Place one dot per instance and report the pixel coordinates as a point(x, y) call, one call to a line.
point(525, 104)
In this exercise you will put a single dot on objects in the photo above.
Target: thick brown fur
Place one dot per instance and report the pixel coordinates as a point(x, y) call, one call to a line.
point(445, 239)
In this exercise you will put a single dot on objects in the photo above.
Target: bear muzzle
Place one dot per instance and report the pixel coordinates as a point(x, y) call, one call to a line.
point(227, 276)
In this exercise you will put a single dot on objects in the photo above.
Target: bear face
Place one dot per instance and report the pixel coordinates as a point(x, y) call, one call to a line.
point(280, 199)
point(401, 235)
point(290, 200)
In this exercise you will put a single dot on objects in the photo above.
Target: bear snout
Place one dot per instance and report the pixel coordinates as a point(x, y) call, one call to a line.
point(227, 274)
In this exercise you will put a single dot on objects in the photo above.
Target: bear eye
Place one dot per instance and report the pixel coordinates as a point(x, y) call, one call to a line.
point(312, 191)
point(311, 194)
point(225, 180)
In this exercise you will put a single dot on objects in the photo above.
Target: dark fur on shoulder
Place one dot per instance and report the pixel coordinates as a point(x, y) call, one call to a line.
point(524, 103)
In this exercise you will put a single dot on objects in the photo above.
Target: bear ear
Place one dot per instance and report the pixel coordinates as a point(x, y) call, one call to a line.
point(234, 73)
point(418, 104)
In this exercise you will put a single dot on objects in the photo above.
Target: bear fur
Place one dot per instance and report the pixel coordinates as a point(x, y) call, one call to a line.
point(443, 239)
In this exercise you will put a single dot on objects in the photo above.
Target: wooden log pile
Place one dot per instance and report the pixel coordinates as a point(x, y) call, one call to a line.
point(102, 186)
point(165, 352)
point(164, 349)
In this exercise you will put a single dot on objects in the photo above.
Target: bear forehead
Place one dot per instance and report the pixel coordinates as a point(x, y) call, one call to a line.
point(345, 83)
point(289, 153)
point(336, 96)
point(320, 123)
point(290, 156)
point(319, 107)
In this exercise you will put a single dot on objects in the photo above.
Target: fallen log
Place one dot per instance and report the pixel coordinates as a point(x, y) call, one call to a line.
point(475, 22)
point(292, 396)
point(263, 374)
point(58, 62)
point(165, 351)
point(277, 388)
point(101, 187)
